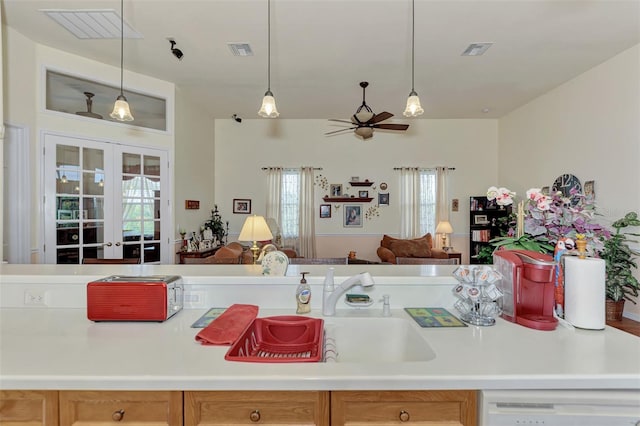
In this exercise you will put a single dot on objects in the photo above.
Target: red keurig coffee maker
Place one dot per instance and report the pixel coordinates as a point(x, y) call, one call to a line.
point(528, 286)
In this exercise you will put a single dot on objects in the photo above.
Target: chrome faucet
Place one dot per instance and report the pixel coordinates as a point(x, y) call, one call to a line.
point(331, 294)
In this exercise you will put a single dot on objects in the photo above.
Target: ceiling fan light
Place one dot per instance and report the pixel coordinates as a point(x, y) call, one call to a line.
point(413, 108)
point(268, 108)
point(364, 132)
point(363, 116)
point(121, 111)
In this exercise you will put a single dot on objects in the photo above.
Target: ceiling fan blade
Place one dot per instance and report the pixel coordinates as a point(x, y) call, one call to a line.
point(340, 121)
point(380, 117)
point(391, 126)
point(341, 130)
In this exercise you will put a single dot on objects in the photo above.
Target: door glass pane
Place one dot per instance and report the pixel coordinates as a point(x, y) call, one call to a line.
point(131, 209)
point(93, 159)
point(131, 230)
point(152, 252)
point(94, 206)
point(93, 233)
point(67, 233)
point(67, 156)
point(93, 183)
point(68, 255)
point(67, 181)
point(66, 206)
point(131, 163)
point(131, 251)
point(151, 165)
point(96, 252)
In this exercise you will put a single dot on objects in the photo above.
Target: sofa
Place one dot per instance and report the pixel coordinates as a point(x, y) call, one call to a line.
point(391, 247)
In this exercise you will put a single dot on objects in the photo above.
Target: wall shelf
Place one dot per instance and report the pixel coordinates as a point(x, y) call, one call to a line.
point(361, 183)
point(347, 200)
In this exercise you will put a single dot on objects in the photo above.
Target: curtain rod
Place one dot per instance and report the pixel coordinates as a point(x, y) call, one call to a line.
point(402, 168)
point(288, 168)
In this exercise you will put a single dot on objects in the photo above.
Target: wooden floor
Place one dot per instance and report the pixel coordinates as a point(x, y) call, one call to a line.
point(628, 325)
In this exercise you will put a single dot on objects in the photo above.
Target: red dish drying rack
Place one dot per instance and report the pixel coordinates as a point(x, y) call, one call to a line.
point(285, 338)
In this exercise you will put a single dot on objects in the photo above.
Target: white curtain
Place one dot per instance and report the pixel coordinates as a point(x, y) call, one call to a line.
point(307, 247)
point(274, 194)
point(409, 202)
point(442, 197)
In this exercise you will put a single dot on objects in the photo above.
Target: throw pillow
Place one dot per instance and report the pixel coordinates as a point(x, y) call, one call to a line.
point(411, 248)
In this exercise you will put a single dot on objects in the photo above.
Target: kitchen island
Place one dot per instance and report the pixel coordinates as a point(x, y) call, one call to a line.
point(55, 347)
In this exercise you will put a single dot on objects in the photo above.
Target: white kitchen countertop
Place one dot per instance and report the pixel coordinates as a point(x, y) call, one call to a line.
point(56, 347)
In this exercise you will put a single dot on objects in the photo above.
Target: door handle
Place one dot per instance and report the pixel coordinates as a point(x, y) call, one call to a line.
point(118, 244)
point(109, 244)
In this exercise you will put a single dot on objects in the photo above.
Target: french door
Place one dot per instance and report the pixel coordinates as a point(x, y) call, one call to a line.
point(104, 200)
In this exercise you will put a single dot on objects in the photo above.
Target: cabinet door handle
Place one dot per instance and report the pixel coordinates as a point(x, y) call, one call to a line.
point(254, 416)
point(118, 415)
point(404, 416)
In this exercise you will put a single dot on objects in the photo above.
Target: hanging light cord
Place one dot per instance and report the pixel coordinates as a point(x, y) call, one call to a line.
point(269, 45)
point(413, 43)
point(121, 45)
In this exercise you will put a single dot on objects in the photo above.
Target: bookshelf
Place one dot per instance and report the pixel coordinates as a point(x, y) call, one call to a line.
point(483, 224)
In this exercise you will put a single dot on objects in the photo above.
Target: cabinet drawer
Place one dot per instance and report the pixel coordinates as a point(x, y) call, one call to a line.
point(404, 407)
point(106, 407)
point(266, 408)
point(28, 408)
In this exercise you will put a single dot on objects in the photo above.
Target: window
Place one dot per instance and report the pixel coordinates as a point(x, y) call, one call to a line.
point(290, 204)
point(427, 201)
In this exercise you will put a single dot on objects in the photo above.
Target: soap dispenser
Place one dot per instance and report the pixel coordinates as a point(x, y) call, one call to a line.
point(303, 296)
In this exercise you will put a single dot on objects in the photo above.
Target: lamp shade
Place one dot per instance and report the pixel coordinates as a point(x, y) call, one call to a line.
point(268, 108)
point(444, 227)
point(255, 228)
point(413, 108)
point(121, 111)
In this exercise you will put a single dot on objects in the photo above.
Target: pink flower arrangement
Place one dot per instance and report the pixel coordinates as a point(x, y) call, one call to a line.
point(550, 217)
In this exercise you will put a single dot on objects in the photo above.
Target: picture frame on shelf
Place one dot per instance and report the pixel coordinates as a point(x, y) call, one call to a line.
point(355, 179)
point(65, 214)
point(335, 190)
point(352, 216)
point(480, 219)
point(383, 199)
point(325, 211)
point(79, 214)
point(363, 194)
point(241, 206)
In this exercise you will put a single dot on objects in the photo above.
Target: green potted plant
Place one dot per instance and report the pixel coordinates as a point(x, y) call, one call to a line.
point(620, 284)
point(217, 226)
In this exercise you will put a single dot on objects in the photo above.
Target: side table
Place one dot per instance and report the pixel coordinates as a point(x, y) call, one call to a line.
point(455, 255)
point(198, 253)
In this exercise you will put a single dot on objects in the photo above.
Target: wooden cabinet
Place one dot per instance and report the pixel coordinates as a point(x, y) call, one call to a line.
point(110, 407)
point(451, 407)
point(28, 407)
point(246, 408)
point(155, 408)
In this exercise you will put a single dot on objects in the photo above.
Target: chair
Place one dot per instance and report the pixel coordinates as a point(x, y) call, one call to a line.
point(424, 261)
point(94, 261)
point(212, 260)
point(318, 261)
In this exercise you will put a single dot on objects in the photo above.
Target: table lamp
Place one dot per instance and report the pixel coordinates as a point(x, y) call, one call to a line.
point(255, 229)
point(444, 228)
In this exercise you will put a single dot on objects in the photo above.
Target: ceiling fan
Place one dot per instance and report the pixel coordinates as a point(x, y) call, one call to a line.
point(364, 120)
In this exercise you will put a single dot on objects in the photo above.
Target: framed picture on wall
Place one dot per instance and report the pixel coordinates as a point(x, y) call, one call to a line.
point(336, 190)
point(242, 206)
point(325, 211)
point(352, 216)
point(363, 194)
point(383, 199)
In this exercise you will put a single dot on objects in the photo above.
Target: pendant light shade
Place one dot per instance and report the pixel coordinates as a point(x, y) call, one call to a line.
point(268, 108)
point(121, 110)
point(413, 108)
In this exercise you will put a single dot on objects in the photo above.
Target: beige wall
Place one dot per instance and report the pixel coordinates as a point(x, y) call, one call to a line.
point(589, 126)
point(243, 148)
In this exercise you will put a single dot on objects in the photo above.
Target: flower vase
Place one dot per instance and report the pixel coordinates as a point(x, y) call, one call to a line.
point(582, 248)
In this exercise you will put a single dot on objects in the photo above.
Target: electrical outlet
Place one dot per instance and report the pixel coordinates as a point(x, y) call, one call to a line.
point(194, 299)
point(35, 298)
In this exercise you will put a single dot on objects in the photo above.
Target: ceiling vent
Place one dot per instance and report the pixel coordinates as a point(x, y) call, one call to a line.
point(240, 49)
point(476, 49)
point(91, 23)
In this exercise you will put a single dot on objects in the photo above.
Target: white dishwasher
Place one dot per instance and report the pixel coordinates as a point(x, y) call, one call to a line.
point(560, 407)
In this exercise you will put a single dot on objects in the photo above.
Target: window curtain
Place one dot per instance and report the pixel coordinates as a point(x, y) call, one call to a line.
point(274, 195)
point(409, 202)
point(307, 232)
point(442, 197)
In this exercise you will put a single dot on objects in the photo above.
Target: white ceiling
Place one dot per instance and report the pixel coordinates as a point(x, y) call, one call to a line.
point(322, 49)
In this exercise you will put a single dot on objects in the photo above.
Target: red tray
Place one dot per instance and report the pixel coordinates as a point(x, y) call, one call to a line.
point(284, 338)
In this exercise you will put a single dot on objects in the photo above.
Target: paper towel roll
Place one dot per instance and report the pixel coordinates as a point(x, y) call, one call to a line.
point(584, 292)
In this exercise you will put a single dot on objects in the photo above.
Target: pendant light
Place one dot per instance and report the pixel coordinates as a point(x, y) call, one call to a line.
point(268, 108)
point(121, 111)
point(413, 108)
